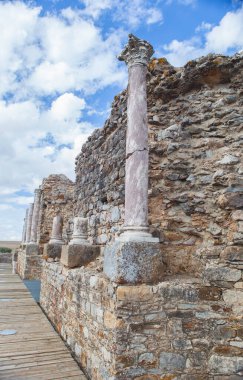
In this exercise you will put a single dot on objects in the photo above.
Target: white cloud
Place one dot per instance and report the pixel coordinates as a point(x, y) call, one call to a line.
point(4, 207)
point(25, 201)
point(179, 52)
point(25, 152)
point(137, 11)
point(94, 8)
point(223, 38)
point(228, 34)
point(131, 13)
point(49, 62)
point(67, 107)
point(154, 16)
point(204, 26)
point(52, 54)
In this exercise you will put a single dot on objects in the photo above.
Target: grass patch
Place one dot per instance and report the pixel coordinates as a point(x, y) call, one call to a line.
point(5, 250)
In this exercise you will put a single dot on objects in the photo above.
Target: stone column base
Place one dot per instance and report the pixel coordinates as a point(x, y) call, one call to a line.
point(74, 255)
point(32, 249)
point(133, 262)
point(52, 250)
point(29, 263)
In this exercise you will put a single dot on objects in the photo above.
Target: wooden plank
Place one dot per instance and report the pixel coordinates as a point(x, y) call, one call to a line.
point(35, 352)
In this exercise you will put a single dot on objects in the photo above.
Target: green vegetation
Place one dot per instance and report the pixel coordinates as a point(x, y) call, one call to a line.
point(5, 250)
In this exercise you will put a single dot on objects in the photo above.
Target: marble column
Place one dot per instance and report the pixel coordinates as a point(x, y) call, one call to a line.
point(80, 231)
point(79, 251)
point(57, 225)
point(136, 54)
point(35, 216)
point(29, 222)
point(25, 227)
point(23, 232)
point(135, 257)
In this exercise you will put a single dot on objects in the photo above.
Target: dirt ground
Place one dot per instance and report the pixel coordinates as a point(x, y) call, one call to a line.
point(10, 244)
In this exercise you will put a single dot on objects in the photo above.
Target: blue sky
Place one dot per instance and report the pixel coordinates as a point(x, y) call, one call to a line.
point(59, 74)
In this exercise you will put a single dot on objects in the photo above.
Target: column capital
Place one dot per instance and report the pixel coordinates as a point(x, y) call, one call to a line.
point(136, 52)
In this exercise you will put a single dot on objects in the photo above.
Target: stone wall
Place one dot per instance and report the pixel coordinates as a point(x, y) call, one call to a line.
point(195, 118)
point(57, 193)
point(5, 257)
point(189, 326)
point(182, 328)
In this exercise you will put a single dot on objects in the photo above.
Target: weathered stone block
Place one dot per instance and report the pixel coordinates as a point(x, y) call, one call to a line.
point(52, 250)
point(133, 262)
point(233, 253)
point(170, 361)
point(32, 249)
point(210, 293)
point(233, 297)
point(237, 215)
point(231, 201)
point(78, 255)
point(222, 274)
point(225, 365)
point(134, 293)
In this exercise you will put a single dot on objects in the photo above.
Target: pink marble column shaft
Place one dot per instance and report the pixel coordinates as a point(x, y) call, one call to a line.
point(136, 182)
point(35, 216)
point(136, 55)
point(29, 222)
point(57, 226)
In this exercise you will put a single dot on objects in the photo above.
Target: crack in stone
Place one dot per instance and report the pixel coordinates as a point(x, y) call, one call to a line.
point(137, 150)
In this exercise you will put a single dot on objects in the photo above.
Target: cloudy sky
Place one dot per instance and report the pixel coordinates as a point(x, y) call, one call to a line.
point(59, 74)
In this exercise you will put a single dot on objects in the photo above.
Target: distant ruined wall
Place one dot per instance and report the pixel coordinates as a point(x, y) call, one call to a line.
point(189, 326)
point(5, 257)
point(57, 193)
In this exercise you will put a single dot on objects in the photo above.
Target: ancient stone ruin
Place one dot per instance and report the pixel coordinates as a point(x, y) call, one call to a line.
point(143, 275)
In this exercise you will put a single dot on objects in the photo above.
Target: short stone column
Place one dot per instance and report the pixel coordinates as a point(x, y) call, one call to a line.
point(35, 216)
point(135, 256)
point(79, 251)
point(80, 231)
point(53, 249)
point(29, 222)
point(57, 226)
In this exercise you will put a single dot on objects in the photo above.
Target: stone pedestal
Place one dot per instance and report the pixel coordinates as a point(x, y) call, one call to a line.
point(133, 262)
point(52, 250)
point(29, 262)
point(78, 255)
point(32, 249)
point(79, 252)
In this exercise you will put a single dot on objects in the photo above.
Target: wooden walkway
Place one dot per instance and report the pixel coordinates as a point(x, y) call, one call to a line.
point(31, 349)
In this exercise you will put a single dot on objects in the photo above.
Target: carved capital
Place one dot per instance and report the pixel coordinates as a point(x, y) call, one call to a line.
point(136, 52)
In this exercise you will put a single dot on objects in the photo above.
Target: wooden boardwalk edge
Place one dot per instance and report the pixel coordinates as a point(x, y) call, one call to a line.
point(35, 351)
